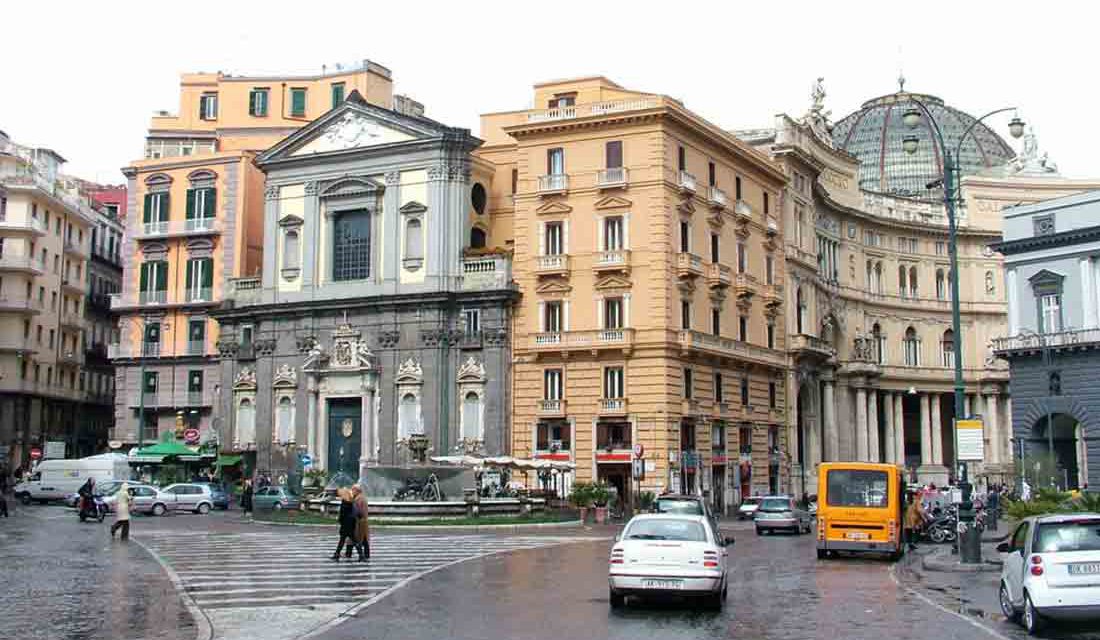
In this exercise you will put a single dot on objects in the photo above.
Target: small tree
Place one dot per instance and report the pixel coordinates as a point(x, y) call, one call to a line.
point(581, 495)
point(600, 494)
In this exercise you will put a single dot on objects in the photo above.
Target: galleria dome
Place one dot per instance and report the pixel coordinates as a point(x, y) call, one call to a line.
point(874, 135)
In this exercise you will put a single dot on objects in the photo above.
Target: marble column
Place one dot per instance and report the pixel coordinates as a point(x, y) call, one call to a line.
point(937, 429)
point(888, 434)
point(861, 424)
point(828, 410)
point(993, 425)
point(793, 409)
point(872, 427)
point(899, 429)
point(925, 432)
point(311, 421)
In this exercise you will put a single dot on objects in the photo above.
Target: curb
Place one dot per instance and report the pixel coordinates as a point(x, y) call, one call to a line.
point(934, 562)
point(454, 527)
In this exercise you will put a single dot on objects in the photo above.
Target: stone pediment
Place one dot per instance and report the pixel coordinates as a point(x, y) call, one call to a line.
point(612, 282)
point(412, 208)
point(554, 287)
point(613, 202)
point(471, 372)
point(350, 186)
point(409, 372)
point(351, 131)
point(553, 207)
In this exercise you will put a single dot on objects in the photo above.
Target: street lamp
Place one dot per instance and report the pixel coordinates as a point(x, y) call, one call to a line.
point(970, 544)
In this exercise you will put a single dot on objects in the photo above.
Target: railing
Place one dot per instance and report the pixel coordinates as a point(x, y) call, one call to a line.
point(202, 294)
point(613, 406)
point(611, 177)
point(22, 263)
point(687, 181)
point(78, 248)
point(20, 304)
point(245, 291)
point(690, 339)
point(719, 275)
point(592, 109)
point(745, 283)
point(553, 263)
point(27, 224)
point(150, 349)
point(612, 259)
point(195, 399)
point(196, 347)
point(804, 342)
point(551, 407)
point(583, 339)
point(718, 197)
point(742, 209)
point(773, 225)
point(1080, 337)
point(73, 283)
point(193, 226)
point(554, 182)
point(69, 358)
point(153, 297)
point(486, 273)
point(70, 319)
point(689, 264)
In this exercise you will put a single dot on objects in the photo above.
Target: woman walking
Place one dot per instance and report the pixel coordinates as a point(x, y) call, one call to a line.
point(348, 524)
point(122, 513)
point(246, 498)
point(362, 524)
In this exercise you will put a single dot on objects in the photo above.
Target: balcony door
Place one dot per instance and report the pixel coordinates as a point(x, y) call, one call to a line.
point(200, 279)
point(555, 161)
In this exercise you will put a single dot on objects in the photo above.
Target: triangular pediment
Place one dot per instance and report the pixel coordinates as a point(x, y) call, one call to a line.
point(1046, 276)
point(612, 282)
point(353, 124)
point(613, 202)
point(554, 207)
point(554, 287)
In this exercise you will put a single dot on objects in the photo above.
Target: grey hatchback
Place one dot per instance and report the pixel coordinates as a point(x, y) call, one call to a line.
point(274, 499)
point(781, 512)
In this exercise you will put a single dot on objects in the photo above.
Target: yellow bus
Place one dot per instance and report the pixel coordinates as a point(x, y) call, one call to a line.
point(860, 508)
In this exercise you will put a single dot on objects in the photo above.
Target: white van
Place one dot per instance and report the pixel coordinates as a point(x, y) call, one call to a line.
point(56, 479)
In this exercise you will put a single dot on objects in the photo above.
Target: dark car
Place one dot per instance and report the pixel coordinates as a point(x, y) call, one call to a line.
point(218, 494)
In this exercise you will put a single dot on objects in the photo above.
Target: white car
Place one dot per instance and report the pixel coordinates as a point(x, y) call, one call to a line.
point(747, 509)
point(669, 554)
point(1052, 569)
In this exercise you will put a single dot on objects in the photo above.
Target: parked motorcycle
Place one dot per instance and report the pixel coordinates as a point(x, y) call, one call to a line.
point(94, 507)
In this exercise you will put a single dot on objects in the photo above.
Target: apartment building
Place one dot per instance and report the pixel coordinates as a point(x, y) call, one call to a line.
point(45, 225)
point(197, 203)
point(646, 242)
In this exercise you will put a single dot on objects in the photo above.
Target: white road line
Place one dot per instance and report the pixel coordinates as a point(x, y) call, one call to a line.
point(278, 600)
point(207, 587)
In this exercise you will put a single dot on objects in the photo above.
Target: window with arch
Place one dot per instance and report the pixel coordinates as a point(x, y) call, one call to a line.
point(414, 244)
point(246, 422)
point(870, 276)
point(478, 198)
point(284, 420)
point(800, 318)
point(477, 238)
point(911, 348)
point(913, 282)
point(471, 416)
point(291, 252)
point(880, 286)
point(947, 349)
point(941, 285)
point(903, 289)
point(878, 339)
point(409, 415)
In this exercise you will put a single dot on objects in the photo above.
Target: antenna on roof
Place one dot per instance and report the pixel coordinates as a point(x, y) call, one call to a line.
point(901, 72)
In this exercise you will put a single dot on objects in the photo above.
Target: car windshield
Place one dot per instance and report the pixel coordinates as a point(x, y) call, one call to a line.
point(1078, 535)
point(856, 488)
point(750, 502)
point(679, 506)
point(653, 529)
point(775, 504)
point(107, 488)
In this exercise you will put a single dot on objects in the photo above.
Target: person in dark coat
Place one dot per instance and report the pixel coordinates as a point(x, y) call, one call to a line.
point(362, 523)
point(246, 497)
point(348, 523)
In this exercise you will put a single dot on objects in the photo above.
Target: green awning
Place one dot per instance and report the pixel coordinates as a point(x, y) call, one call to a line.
point(227, 461)
point(163, 450)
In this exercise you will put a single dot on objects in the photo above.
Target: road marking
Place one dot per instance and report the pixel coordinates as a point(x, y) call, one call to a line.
point(925, 599)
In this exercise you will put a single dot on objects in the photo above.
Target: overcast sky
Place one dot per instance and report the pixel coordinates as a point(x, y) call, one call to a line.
point(83, 78)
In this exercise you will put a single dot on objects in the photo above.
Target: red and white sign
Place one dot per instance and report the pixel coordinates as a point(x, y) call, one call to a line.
point(639, 450)
point(36, 453)
point(191, 436)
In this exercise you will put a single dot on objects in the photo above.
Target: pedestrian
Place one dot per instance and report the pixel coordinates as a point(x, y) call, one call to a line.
point(348, 523)
point(362, 523)
point(122, 513)
point(914, 520)
point(246, 498)
point(1025, 491)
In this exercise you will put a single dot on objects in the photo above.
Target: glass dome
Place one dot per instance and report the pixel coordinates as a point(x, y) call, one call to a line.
point(875, 133)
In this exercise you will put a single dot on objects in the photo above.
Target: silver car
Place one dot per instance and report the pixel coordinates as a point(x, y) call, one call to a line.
point(142, 498)
point(184, 496)
point(781, 513)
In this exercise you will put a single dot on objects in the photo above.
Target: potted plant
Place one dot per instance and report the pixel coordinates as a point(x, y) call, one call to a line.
point(600, 496)
point(581, 498)
point(646, 500)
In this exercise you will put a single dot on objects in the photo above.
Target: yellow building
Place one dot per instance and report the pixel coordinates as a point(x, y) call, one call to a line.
point(647, 247)
point(196, 203)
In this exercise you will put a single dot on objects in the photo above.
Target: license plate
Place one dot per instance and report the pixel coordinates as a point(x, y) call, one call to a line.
point(1084, 568)
point(662, 584)
point(857, 535)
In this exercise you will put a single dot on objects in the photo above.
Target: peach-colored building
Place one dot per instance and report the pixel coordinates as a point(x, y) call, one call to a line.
point(196, 220)
point(647, 248)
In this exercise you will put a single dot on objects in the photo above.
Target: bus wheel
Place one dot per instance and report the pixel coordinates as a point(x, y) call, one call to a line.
point(822, 554)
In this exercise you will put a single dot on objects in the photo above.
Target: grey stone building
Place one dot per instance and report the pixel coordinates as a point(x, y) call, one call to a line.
point(1052, 272)
point(380, 314)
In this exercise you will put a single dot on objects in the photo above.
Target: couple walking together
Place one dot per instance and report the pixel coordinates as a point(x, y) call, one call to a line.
point(354, 525)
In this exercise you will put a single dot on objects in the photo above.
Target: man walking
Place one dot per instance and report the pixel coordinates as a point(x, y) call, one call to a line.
point(122, 513)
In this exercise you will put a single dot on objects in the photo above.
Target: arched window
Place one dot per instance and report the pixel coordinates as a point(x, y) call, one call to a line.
point(879, 341)
point(291, 250)
point(477, 238)
point(414, 244)
point(911, 347)
point(903, 290)
point(800, 318)
point(471, 416)
point(870, 276)
point(478, 198)
point(941, 285)
point(285, 420)
point(879, 282)
point(246, 422)
point(947, 349)
point(409, 416)
point(912, 282)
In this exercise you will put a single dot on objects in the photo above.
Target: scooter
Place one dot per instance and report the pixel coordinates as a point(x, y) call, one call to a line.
point(944, 527)
point(94, 507)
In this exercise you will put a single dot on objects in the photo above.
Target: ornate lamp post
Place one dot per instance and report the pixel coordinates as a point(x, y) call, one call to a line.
point(970, 543)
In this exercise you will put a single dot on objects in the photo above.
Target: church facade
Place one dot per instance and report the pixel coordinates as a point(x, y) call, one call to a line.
point(378, 328)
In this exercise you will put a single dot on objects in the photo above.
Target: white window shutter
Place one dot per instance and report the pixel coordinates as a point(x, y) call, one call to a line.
point(542, 316)
point(626, 231)
point(565, 237)
point(565, 320)
point(626, 309)
point(542, 239)
point(599, 313)
point(601, 232)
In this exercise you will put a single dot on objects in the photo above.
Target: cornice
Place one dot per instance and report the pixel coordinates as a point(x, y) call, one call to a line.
point(1053, 240)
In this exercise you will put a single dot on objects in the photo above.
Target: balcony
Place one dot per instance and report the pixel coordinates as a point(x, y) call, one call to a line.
point(195, 399)
point(70, 359)
point(612, 407)
point(201, 295)
point(580, 340)
point(196, 347)
point(687, 182)
point(552, 265)
point(173, 228)
point(244, 291)
point(811, 346)
point(153, 297)
point(697, 341)
point(21, 305)
point(743, 210)
point(691, 407)
point(592, 109)
point(719, 275)
point(612, 178)
point(689, 265)
point(76, 248)
point(744, 285)
point(72, 285)
point(22, 264)
point(614, 437)
point(717, 198)
point(150, 349)
point(486, 273)
point(29, 225)
point(1025, 344)
point(773, 294)
point(72, 320)
point(772, 226)
point(553, 183)
point(551, 408)
point(618, 260)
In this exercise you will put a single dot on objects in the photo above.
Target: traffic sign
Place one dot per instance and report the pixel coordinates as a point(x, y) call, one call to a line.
point(638, 469)
point(36, 453)
point(305, 459)
point(971, 439)
point(191, 436)
point(639, 450)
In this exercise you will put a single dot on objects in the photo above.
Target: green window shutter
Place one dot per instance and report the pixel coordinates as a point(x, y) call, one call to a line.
point(297, 102)
point(144, 284)
point(207, 273)
point(162, 276)
point(337, 94)
point(253, 103)
point(190, 274)
point(147, 215)
point(261, 108)
point(211, 203)
point(190, 203)
point(164, 207)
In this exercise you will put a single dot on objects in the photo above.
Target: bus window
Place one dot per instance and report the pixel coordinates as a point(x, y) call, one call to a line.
point(857, 488)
